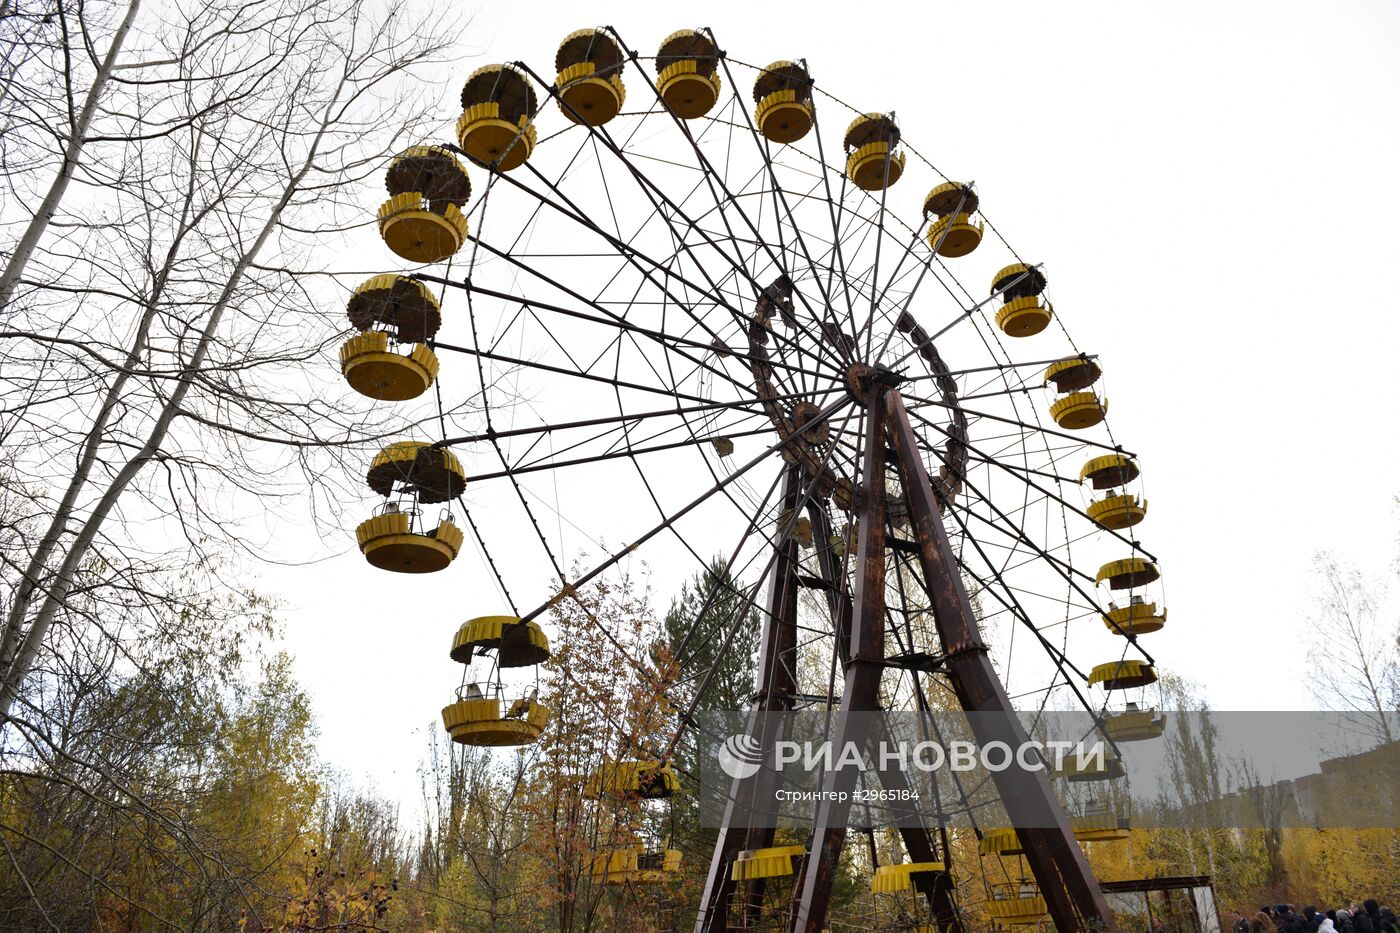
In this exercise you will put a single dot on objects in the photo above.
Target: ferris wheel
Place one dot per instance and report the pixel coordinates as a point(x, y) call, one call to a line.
point(704, 308)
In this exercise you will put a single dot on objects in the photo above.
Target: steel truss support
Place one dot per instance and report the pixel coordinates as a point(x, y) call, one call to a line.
point(776, 684)
point(861, 691)
point(1072, 894)
point(917, 838)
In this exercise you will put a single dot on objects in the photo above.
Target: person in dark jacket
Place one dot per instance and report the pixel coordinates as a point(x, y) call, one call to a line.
point(1361, 920)
point(1289, 921)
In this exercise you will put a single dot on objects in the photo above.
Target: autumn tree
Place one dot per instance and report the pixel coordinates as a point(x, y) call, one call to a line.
point(1355, 655)
point(475, 863)
point(162, 336)
point(605, 683)
point(701, 615)
point(173, 173)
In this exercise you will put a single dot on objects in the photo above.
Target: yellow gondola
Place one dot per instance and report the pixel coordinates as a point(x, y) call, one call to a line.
point(1078, 410)
point(1022, 314)
point(1134, 725)
point(1017, 904)
point(388, 543)
point(635, 865)
point(1119, 511)
point(433, 474)
point(1128, 572)
point(874, 161)
point(423, 221)
point(896, 879)
point(783, 93)
point(1070, 375)
point(589, 83)
point(613, 866)
point(516, 643)
point(648, 779)
point(686, 73)
point(1090, 768)
point(403, 306)
point(953, 234)
point(1099, 824)
point(844, 540)
point(1123, 675)
point(773, 862)
point(1137, 618)
point(1000, 841)
point(657, 865)
point(799, 529)
point(496, 128)
point(1109, 470)
point(479, 721)
point(375, 371)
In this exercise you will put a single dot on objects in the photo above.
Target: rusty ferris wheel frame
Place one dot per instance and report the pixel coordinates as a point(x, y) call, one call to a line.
point(771, 326)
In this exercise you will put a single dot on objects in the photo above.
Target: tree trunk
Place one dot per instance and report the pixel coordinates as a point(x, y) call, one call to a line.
point(62, 583)
point(77, 134)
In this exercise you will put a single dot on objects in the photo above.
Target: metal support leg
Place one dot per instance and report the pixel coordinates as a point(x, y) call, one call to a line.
point(862, 684)
point(777, 673)
point(918, 840)
point(1071, 892)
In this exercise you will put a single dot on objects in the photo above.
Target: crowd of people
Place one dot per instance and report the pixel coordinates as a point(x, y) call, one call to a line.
point(1366, 917)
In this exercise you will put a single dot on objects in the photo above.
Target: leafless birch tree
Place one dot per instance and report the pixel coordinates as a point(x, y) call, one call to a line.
point(1354, 652)
point(175, 175)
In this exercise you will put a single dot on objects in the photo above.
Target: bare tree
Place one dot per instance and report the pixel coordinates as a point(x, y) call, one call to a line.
point(165, 353)
point(1357, 664)
point(175, 176)
point(40, 46)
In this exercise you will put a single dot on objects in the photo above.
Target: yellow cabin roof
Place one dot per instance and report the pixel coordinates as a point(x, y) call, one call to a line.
point(516, 643)
point(434, 474)
point(685, 43)
point(1134, 570)
point(892, 879)
point(870, 128)
point(944, 199)
point(778, 76)
point(1119, 675)
point(1109, 470)
point(1000, 841)
point(588, 45)
point(1072, 373)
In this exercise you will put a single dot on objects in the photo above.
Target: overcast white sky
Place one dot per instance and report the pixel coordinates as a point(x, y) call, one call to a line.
point(1213, 190)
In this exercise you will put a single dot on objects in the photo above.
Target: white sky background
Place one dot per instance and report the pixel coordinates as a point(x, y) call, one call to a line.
point(1214, 195)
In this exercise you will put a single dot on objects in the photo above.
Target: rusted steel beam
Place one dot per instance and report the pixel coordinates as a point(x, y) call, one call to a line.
point(918, 840)
point(1071, 892)
point(777, 667)
point(776, 683)
point(861, 693)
